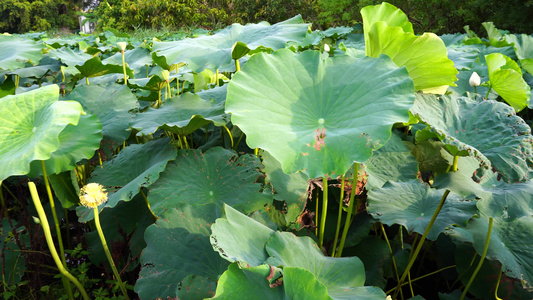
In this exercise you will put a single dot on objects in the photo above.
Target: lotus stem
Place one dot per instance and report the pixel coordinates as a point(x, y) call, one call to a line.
point(230, 136)
point(148, 205)
point(424, 276)
point(108, 254)
point(498, 285)
point(237, 65)
point(50, 242)
point(488, 91)
point(392, 257)
point(87, 80)
point(324, 211)
point(339, 217)
point(483, 255)
point(421, 242)
point(350, 210)
point(56, 222)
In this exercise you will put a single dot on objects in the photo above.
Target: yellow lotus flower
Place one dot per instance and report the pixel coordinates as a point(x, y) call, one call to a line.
point(92, 195)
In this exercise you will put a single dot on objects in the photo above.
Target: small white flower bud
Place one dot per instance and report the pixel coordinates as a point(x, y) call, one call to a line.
point(475, 80)
point(326, 48)
point(122, 45)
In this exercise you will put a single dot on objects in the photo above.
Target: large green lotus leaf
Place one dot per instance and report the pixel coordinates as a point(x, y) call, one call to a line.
point(497, 199)
point(251, 283)
point(94, 68)
point(75, 143)
point(412, 205)
point(337, 274)
point(291, 188)
point(69, 57)
point(111, 104)
point(510, 244)
point(136, 59)
point(463, 57)
point(523, 46)
point(387, 13)
point(321, 114)
point(195, 287)
point(30, 126)
point(136, 166)
point(15, 52)
point(489, 130)
point(65, 186)
point(506, 79)
point(214, 51)
point(123, 225)
point(178, 246)
point(216, 176)
point(181, 115)
point(425, 56)
point(239, 238)
point(393, 162)
point(37, 71)
point(485, 282)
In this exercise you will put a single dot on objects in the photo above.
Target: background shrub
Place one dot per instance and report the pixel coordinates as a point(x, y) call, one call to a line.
point(439, 16)
point(19, 16)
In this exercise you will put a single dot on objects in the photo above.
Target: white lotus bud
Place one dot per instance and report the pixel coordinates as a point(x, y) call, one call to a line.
point(326, 48)
point(475, 80)
point(122, 45)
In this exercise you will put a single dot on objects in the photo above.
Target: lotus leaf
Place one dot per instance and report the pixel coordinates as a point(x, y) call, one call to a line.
point(425, 56)
point(112, 105)
point(485, 282)
point(16, 51)
point(176, 248)
point(31, 124)
point(181, 115)
point(510, 244)
point(339, 275)
point(216, 176)
point(506, 79)
point(319, 119)
point(214, 52)
point(239, 238)
point(143, 164)
point(69, 57)
point(136, 59)
point(488, 130)
point(75, 143)
point(412, 205)
point(392, 162)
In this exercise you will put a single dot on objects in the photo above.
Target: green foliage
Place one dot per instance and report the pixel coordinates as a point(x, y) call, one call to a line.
point(19, 16)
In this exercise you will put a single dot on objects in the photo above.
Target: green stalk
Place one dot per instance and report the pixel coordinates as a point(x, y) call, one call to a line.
point(488, 91)
point(498, 285)
point(350, 210)
point(124, 67)
point(421, 242)
point(483, 255)
point(424, 276)
point(392, 256)
point(324, 210)
point(230, 136)
point(339, 217)
point(56, 222)
point(50, 242)
point(148, 204)
point(237, 65)
point(108, 254)
point(87, 80)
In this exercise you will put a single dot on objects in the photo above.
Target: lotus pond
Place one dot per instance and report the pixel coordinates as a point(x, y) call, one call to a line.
point(268, 162)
